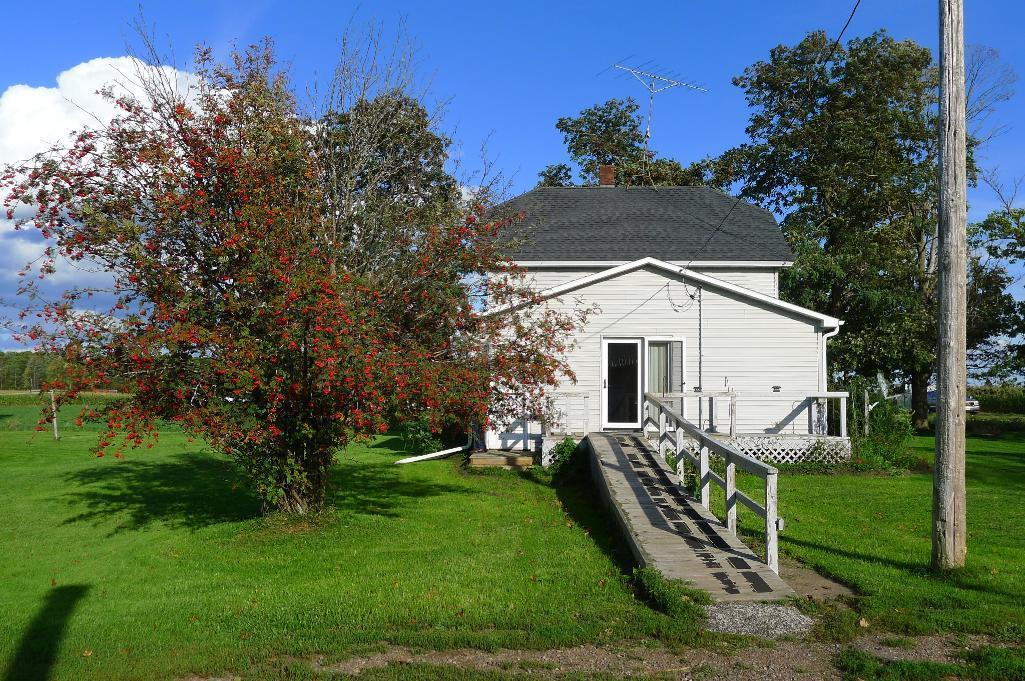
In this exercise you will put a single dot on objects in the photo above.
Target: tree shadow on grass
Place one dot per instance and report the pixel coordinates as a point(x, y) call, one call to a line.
point(189, 491)
point(960, 579)
point(381, 489)
point(194, 490)
point(40, 642)
point(581, 501)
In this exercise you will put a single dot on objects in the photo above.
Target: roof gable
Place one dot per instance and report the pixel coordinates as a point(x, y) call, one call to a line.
point(623, 224)
point(825, 321)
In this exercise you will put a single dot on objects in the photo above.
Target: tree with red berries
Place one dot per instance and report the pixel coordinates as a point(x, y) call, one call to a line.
point(243, 309)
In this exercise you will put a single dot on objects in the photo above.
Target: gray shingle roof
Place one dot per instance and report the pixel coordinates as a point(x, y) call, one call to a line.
point(620, 224)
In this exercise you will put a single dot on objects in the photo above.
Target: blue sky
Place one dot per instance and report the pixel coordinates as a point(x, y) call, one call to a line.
point(509, 69)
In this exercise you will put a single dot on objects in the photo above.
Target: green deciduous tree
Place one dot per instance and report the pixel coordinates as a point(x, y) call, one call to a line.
point(611, 134)
point(843, 145)
point(283, 284)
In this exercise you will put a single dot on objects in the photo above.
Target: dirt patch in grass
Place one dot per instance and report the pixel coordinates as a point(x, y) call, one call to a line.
point(810, 584)
point(798, 660)
point(945, 648)
point(616, 661)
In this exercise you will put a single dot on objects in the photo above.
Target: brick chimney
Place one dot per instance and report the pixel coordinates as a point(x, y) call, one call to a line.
point(607, 175)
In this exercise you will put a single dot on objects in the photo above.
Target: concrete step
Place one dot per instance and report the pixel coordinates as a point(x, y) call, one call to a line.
point(501, 460)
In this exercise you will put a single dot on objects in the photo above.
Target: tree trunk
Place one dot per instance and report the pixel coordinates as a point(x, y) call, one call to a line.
point(920, 398)
point(302, 484)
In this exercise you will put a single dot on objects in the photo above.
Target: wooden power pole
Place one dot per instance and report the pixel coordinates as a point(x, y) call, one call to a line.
point(948, 506)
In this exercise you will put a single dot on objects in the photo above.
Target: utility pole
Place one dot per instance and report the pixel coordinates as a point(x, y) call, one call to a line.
point(948, 506)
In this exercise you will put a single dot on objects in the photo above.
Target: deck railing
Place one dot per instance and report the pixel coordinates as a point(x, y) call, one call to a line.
point(571, 413)
point(717, 411)
point(663, 414)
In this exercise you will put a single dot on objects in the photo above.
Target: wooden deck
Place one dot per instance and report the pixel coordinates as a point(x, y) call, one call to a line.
point(671, 531)
point(501, 459)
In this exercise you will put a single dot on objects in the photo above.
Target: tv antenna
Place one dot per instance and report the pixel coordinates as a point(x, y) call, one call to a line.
point(654, 83)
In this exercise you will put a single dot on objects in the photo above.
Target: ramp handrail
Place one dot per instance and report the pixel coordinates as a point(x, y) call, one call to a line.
point(734, 458)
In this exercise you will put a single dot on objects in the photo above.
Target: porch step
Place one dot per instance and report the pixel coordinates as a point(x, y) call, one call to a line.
point(501, 460)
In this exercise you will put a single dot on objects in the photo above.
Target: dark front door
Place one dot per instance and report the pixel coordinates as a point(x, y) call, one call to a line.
point(621, 385)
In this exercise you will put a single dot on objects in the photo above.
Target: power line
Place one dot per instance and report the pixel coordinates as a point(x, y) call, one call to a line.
point(832, 53)
point(836, 43)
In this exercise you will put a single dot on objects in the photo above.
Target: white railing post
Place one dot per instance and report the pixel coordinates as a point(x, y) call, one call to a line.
point(731, 496)
point(662, 430)
point(843, 417)
point(679, 448)
point(733, 415)
point(526, 428)
point(771, 524)
point(704, 480)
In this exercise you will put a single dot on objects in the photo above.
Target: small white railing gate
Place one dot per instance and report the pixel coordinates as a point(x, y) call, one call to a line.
point(657, 411)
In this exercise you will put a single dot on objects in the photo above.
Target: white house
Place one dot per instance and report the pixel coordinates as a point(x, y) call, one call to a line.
point(686, 285)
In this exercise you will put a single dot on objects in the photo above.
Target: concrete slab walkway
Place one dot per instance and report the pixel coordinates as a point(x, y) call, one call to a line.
point(669, 530)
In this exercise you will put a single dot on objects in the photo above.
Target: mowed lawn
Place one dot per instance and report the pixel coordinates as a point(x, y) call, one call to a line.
point(872, 531)
point(159, 565)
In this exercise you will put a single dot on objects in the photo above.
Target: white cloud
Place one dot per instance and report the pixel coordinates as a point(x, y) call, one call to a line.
point(33, 118)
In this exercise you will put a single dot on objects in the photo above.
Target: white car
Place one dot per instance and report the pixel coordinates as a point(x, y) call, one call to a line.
point(971, 405)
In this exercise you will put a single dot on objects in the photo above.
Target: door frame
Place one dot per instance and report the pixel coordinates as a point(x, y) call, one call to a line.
point(603, 385)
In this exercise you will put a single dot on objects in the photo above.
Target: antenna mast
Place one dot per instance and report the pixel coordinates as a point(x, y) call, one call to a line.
point(654, 83)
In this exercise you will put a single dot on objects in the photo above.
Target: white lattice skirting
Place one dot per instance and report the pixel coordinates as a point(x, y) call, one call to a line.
point(793, 448)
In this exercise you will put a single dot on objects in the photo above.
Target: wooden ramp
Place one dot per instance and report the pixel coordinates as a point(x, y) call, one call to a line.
point(669, 530)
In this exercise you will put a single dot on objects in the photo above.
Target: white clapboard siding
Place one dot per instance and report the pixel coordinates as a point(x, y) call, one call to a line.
point(752, 345)
point(763, 280)
point(541, 279)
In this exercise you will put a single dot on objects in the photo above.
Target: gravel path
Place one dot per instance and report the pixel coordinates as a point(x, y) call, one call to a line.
point(758, 619)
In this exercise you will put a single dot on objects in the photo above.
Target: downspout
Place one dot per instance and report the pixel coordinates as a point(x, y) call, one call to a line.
point(701, 349)
point(438, 455)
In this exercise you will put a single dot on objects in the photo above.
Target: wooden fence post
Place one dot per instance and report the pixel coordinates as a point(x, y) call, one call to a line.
point(771, 524)
point(867, 412)
point(731, 496)
point(704, 481)
point(53, 413)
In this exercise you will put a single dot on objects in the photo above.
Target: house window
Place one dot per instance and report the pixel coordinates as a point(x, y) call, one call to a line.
point(665, 366)
point(658, 367)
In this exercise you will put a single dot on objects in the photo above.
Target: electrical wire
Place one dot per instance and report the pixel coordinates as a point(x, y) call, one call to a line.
point(736, 202)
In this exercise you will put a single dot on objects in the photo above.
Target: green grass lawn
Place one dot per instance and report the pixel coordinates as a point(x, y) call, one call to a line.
point(872, 532)
point(159, 566)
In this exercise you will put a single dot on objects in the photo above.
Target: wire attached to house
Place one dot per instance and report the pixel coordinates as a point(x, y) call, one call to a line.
point(722, 223)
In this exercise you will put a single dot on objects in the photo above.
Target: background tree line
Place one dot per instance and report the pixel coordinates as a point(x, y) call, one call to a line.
point(28, 370)
point(842, 148)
